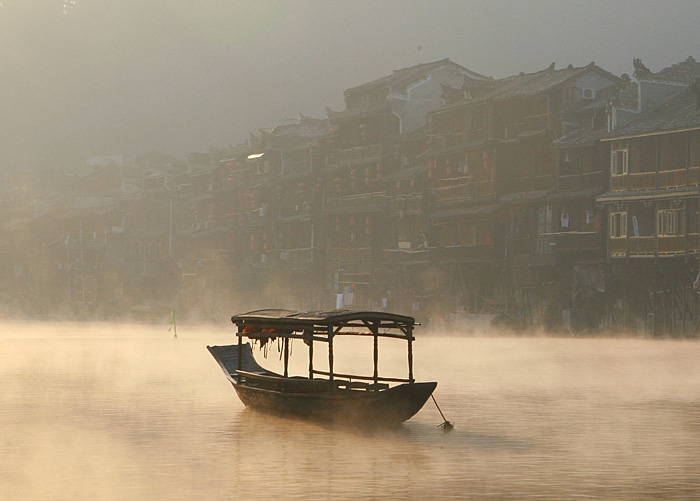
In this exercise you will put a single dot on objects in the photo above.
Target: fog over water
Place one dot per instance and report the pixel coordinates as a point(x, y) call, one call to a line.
point(129, 412)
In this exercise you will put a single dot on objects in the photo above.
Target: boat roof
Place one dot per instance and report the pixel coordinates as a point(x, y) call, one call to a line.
point(300, 319)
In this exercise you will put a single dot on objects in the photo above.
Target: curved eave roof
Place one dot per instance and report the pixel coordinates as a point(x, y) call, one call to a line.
point(300, 319)
point(677, 114)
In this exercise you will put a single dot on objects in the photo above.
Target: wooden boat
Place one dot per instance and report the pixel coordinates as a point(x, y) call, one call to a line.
point(325, 396)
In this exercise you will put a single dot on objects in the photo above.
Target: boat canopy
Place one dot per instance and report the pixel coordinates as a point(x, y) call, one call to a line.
point(323, 326)
point(333, 322)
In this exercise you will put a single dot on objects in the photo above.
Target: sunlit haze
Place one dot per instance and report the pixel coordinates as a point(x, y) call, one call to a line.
point(91, 77)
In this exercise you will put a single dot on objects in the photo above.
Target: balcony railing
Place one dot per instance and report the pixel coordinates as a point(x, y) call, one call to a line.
point(653, 180)
point(410, 204)
point(465, 253)
point(355, 156)
point(582, 181)
point(341, 255)
point(292, 259)
point(365, 202)
point(529, 124)
point(463, 188)
point(406, 256)
point(482, 189)
point(678, 244)
point(577, 242)
point(663, 245)
point(452, 193)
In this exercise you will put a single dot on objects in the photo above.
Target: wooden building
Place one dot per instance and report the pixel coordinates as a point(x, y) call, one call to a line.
point(150, 276)
point(375, 137)
point(498, 197)
point(652, 215)
point(291, 251)
point(205, 204)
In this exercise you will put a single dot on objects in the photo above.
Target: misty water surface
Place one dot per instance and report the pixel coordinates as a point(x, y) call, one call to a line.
point(129, 412)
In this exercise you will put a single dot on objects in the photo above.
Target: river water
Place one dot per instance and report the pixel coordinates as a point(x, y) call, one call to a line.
point(129, 412)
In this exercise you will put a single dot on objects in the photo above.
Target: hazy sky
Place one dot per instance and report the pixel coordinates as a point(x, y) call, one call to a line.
point(105, 77)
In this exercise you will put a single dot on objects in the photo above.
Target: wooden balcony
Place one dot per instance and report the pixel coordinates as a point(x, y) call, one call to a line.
point(481, 189)
point(641, 246)
point(465, 253)
point(365, 202)
point(617, 247)
point(672, 178)
point(457, 192)
point(355, 156)
point(651, 246)
point(292, 259)
point(578, 242)
point(464, 188)
point(408, 204)
point(582, 181)
point(407, 256)
point(678, 244)
point(351, 259)
point(529, 124)
point(653, 180)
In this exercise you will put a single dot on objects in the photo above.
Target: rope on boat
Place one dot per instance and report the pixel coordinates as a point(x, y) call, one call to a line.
point(445, 425)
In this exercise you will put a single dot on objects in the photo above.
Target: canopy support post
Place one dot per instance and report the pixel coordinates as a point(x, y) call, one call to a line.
point(330, 352)
point(409, 333)
point(375, 332)
point(310, 335)
point(240, 355)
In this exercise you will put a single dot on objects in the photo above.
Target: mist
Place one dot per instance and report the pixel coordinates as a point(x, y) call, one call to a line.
point(89, 77)
point(127, 411)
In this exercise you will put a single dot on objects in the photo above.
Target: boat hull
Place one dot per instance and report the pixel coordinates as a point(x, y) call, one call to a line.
point(387, 407)
point(318, 399)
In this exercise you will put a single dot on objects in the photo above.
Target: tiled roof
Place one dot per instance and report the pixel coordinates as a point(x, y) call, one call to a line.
point(684, 72)
point(679, 112)
point(530, 84)
point(581, 137)
point(358, 111)
point(525, 196)
point(401, 78)
point(584, 193)
point(628, 97)
point(405, 173)
point(612, 196)
point(471, 210)
point(296, 134)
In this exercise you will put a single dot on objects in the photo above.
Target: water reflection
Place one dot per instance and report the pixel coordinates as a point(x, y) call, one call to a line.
point(129, 412)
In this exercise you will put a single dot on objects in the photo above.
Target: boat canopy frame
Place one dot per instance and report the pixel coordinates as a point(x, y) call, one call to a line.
point(324, 326)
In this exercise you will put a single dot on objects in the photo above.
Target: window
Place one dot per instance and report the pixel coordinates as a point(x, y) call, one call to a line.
point(571, 95)
point(618, 160)
point(618, 224)
point(670, 222)
point(544, 219)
